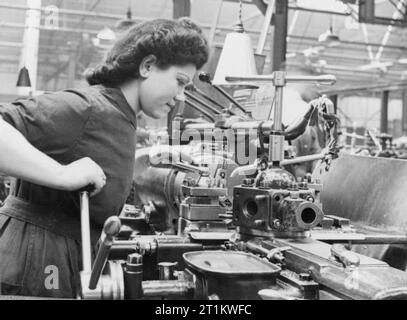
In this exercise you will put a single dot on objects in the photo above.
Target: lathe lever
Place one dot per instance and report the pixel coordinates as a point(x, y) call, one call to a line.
point(111, 229)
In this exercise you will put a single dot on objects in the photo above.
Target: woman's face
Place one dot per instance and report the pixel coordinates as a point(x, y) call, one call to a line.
point(161, 88)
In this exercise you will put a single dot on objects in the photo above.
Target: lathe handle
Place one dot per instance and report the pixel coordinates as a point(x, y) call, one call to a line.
point(111, 229)
point(85, 231)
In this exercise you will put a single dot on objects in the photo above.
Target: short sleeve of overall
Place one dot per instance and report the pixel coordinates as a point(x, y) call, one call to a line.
point(51, 125)
point(95, 122)
point(50, 122)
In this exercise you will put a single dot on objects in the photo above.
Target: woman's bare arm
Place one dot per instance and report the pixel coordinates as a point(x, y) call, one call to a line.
point(20, 159)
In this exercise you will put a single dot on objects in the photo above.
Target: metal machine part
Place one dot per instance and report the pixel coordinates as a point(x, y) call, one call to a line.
point(161, 185)
point(200, 210)
point(205, 77)
point(279, 80)
point(111, 229)
point(230, 274)
point(275, 205)
point(323, 109)
point(375, 206)
point(270, 254)
point(314, 260)
point(362, 196)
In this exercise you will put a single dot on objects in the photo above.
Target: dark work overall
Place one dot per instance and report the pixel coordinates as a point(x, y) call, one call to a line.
point(40, 227)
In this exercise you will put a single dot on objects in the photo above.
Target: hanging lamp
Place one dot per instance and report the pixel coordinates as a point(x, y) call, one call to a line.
point(237, 57)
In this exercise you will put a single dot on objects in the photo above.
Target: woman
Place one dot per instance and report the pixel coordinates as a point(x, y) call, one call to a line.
point(57, 143)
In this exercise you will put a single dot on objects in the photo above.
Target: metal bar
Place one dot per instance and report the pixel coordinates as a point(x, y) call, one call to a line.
point(280, 34)
point(204, 95)
point(334, 99)
point(293, 23)
point(388, 32)
point(214, 24)
point(396, 5)
point(85, 232)
point(265, 27)
point(379, 87)
point(325, 79)
point(212, 109)
point(111, 229)
point(384, 112)
point(198, 108)
point(302, 159)
point(285, 162)
point(227, 96)
point(167, 288)
point(71, 12)
point(346, 42)
point(319, 11)
point(278, 110)
point(29, 53)
point(181, 8)
point(366, 38)
point(404, 112)
point(262, 7)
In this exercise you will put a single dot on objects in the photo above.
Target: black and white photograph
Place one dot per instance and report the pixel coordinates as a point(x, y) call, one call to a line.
point(203, 156)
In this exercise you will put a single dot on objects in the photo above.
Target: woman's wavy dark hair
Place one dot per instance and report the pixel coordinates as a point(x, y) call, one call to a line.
point(172, 42)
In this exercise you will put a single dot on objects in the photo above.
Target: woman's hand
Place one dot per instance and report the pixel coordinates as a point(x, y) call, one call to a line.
point(22, 160)
point(81, 173)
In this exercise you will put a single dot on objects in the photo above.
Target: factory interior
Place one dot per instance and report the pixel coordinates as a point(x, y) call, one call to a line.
point(276, 174)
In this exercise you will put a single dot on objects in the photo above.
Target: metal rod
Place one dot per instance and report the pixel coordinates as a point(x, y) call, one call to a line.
point(212, 30)
point(204, 95)
point(276, 138)
point(311, 157)
point(111, 229)
point(384, 111)
point(237, 104)
point(71, 12)
point(389, 30)
point(285, 162)
point(167, 288)
point(85, 232)
point(198, 108)
point(278, 109)
point(203, 103)
point(324, 79)
point(265, 27)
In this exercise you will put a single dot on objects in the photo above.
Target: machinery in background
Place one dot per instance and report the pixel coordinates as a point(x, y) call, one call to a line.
point(257, 245)
point(224, 148)
point(375, 145)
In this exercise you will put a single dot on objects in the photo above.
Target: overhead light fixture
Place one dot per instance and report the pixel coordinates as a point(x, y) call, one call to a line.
point(106, 34)
point(23, 78)
point(237, 57)
point(125, 24)
point(104, 38)
point(329, 38)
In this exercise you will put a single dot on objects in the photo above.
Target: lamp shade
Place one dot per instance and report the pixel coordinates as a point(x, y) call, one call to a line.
point(23, 78)
point(236, 58)
point(106, 34)
point(329, 38)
